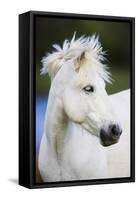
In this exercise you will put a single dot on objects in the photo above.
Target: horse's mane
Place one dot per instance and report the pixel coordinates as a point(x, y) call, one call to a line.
point(72, 50)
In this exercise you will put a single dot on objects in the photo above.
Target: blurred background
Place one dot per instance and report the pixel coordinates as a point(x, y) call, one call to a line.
point(115, 37)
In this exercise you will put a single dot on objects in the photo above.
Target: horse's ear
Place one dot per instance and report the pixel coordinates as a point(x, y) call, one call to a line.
point(79, 61)
point(51, 64)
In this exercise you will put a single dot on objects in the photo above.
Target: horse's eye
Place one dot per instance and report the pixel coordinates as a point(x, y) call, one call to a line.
point(88, 88)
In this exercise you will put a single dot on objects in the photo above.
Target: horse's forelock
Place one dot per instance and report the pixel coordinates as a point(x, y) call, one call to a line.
point(75, 50)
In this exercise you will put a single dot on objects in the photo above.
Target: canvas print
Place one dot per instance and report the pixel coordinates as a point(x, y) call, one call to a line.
point(83, 86)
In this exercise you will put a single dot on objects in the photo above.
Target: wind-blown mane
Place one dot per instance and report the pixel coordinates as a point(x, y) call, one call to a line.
point(73, 50)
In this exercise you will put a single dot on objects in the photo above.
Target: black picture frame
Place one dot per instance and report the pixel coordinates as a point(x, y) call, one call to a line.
point(27, 99)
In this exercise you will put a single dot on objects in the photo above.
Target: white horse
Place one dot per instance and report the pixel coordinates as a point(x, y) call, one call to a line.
point(86, 131)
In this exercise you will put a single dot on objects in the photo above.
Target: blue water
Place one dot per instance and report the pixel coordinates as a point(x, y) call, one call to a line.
point(41, 104)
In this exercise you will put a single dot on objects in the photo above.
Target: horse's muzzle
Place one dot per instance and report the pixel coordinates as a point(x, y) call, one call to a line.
point(111, 136)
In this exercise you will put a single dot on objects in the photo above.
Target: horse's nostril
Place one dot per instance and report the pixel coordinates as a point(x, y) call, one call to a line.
point(115, 131)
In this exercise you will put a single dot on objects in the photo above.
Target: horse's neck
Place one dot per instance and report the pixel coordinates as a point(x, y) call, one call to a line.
point(55, 124)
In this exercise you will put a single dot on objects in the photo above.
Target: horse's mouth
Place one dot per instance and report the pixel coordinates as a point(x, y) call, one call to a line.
point(109, 142)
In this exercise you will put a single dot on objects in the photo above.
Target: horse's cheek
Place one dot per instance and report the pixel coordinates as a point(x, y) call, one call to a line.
point(74, 108)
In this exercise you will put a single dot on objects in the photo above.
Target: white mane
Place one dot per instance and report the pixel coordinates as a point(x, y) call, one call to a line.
point(72, 50)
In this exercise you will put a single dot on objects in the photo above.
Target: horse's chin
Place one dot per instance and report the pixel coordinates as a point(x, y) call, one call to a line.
point(106, 144)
